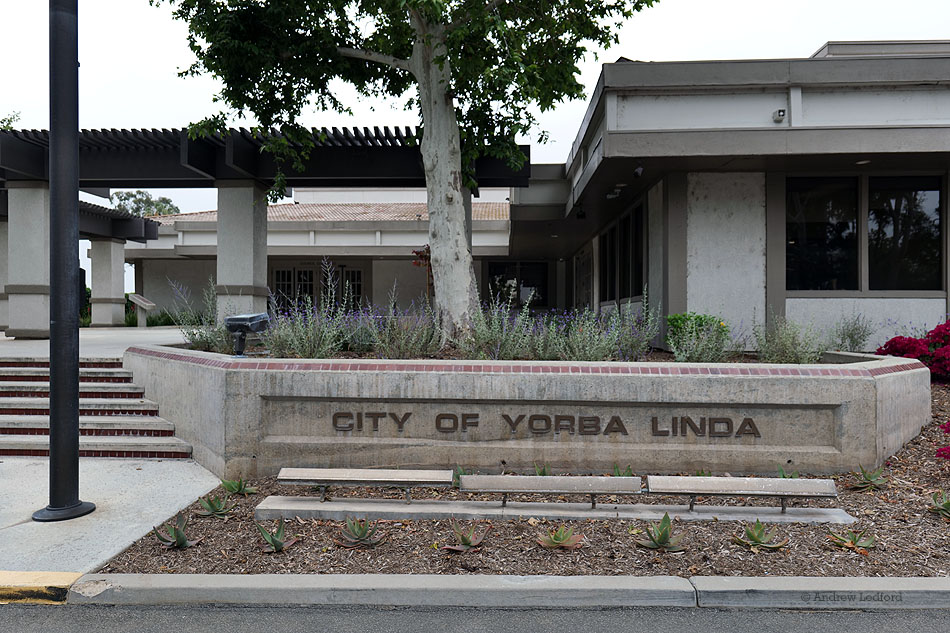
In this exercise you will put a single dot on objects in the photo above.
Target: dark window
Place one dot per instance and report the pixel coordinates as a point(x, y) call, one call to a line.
point(821, 233)
point(638, 252)
point(904, 234)
point(625, 261)
point(523, 280)
point(608, 265)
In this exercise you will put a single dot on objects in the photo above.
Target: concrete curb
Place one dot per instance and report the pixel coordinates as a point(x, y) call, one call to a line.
point(30, 587)
point(822, 592)
point(811, 593)
point(385, 590)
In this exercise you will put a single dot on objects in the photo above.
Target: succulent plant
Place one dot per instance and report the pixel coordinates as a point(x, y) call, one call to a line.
point(703, 473)
point(457, 475)
point(784, 475)
point(856, 541)
point(626, 472)
point(466, 540)
point(543, 470)
point(757, 537)
point(561, 538)
point(941, 506)
point(216, 507)
point(238, 487)
point(274, 541)
point(869, 479)
point(174, 536)
point(660, 536)
point(358, 534)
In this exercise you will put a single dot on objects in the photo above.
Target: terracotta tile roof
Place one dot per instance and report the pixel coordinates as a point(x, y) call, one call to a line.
point(348, 212)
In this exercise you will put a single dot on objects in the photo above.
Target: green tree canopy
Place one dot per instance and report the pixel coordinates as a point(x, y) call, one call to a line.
point(141, 203)
point(475, 70)
point(6, 122)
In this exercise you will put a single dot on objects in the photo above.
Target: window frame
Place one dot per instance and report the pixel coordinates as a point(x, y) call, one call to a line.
point(864, 291)
point(637, 293)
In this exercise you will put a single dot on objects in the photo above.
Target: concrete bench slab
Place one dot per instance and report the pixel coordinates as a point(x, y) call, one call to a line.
point(325, 477)
point(554, 484)
point(742, 487)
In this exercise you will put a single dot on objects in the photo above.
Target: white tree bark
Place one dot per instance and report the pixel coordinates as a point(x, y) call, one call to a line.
point(456, 294)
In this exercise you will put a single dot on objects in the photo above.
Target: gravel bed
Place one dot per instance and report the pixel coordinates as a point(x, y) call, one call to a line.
point(910, 540)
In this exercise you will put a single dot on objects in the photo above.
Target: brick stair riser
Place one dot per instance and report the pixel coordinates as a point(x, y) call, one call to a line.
point(82, 379)
point(92, 432)
point(82, 364)
point(22, 411)
point(16, 452)
point(137, 395)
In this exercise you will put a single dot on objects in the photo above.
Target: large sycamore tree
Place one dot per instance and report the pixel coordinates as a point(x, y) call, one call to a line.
point(475, 70)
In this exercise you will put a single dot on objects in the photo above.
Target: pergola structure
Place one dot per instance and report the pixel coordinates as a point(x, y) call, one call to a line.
point(233, 162)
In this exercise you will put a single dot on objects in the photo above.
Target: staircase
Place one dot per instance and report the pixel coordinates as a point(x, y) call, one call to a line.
point(115, 419)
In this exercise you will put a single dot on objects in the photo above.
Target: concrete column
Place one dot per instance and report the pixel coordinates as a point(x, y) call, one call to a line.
point(4, 303)
point(27, 285)
point(242, 249)
point(108, 282)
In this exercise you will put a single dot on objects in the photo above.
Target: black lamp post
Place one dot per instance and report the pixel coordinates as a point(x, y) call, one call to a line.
point(64, 500)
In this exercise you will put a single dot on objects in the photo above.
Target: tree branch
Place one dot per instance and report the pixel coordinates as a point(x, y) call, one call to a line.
point(454, 24)
point(372, 56)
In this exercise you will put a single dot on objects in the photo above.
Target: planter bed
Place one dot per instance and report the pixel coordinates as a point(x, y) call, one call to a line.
point(251, 417)
point(911, 541)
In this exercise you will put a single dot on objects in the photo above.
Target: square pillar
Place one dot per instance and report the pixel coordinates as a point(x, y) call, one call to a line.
point(27, 287)
point(4, 307)
point(242, 248)
point(108, 282)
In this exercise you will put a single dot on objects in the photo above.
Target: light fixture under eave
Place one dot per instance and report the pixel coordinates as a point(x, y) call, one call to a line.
point(862, 162)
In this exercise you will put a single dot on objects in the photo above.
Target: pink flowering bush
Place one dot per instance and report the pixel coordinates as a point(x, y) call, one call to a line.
point(905, 346)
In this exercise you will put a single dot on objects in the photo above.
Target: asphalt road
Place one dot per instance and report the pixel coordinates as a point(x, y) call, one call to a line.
point(68, 619)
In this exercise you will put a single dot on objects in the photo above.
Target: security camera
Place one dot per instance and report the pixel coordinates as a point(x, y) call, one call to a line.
point(638, 172)
point(779, 115)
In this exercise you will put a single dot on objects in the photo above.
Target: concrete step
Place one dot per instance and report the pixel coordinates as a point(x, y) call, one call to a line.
point(34, 389)
point(87, 406)
point(95, 446)
point(41, 374)
point(103, 425)
point(99, 363)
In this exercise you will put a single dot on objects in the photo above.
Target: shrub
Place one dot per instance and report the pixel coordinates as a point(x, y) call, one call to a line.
point(938, 337)
point(200, 328)
point(904, 346)
point(498, 333)
point(636, 328)
point(588, 336)
point(785, 341)
point(160, 319)
point(851, 334)
point(700, 341)
point(404, 334)
point(676, 323)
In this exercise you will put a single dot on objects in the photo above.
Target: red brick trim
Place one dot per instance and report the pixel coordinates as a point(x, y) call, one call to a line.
point(84, 453)
point(493, 367)
point(93, 432)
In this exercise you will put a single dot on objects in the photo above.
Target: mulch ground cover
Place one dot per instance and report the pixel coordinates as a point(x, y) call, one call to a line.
point(909, 540)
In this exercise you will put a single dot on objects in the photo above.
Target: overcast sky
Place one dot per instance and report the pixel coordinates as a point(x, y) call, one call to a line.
point(131, 53)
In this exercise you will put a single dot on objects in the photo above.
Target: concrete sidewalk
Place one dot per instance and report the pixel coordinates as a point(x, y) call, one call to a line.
point(95, 342)
point(131, 496)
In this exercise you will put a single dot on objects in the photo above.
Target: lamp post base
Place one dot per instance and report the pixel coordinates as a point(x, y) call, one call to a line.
point(64, 514)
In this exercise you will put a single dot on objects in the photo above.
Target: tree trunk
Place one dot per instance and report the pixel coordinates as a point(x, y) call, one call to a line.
point(456, 295)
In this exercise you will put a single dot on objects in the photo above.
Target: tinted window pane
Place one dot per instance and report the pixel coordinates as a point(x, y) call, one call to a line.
point(821, 250)
point(904, 234)
point(625, 261)
point(608, 265)
point(502, 279)
point(638, 254)
point(534, 284)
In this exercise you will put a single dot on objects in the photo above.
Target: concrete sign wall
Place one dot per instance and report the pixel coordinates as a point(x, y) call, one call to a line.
point(250, 418)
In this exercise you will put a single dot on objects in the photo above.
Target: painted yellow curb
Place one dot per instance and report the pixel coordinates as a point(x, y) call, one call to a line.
point(35, 587)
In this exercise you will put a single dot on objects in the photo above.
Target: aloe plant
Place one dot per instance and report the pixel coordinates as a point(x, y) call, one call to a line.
point(784, 475)
point(466, 540)
point(216, 507)
point(660, 536)
point(941, 506)
point(869, 479)
point(626, 472)
point(174, 536)
point(757, 537)
point(561, 538)
point(457, 476)
point(274, 541)
point(856, 541)
point(238, 487)
point(543, 470)
point(358, 534)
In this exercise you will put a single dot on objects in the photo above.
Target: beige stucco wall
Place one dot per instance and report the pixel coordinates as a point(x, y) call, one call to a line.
point(193, 274)
point(725, 228)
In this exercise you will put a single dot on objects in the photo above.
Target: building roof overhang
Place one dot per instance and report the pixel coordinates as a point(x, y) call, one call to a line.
point(169, 158)
point(97, 222)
